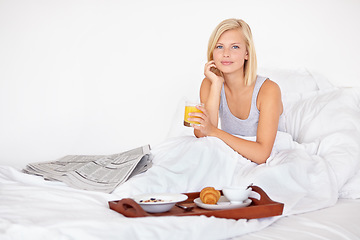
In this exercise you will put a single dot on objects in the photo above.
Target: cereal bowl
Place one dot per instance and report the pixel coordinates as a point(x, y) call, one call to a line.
point(159, 202)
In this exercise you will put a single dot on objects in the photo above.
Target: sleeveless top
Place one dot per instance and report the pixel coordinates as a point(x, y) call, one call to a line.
point(246, 127)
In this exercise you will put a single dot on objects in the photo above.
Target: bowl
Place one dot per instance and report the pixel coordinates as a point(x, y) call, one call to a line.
point(236, 194)
point(159, 202)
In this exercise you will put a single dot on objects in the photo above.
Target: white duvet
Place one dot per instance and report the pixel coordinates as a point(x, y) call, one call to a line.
point(307, 174)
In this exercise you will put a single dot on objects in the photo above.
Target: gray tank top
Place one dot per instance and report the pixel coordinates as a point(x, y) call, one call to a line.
point(246, 127)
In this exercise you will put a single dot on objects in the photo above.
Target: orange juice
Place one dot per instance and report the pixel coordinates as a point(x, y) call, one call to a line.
point(190, 108)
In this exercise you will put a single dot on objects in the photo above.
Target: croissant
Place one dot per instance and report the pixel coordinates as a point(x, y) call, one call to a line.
point(209, 195)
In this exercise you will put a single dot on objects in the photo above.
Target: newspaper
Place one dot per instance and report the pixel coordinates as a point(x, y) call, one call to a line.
point(94, 172)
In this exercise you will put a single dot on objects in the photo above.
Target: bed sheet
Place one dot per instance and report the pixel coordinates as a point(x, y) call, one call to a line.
point(340, 221)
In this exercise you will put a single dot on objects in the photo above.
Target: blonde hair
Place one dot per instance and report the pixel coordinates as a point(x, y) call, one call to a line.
point(250, 66)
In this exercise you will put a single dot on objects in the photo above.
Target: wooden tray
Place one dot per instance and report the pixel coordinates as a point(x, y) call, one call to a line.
point(264, 207)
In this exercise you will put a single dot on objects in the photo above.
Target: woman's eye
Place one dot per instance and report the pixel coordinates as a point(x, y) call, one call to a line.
point(219, 47)
point(235, 47)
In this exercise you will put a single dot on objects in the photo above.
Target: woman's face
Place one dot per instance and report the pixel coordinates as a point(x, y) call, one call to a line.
point(230, 52)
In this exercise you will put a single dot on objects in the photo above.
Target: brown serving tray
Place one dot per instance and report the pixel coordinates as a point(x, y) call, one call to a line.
point(264, 207)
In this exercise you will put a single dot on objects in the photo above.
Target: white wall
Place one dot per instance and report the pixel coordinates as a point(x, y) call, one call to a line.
point(100, 77)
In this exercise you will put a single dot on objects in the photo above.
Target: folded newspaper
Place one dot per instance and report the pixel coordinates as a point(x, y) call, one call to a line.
point(94, 172)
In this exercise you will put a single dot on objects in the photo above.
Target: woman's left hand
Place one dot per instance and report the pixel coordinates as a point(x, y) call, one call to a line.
point(205, 126)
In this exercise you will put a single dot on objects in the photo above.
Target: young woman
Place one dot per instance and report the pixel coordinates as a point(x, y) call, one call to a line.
point(247, 104)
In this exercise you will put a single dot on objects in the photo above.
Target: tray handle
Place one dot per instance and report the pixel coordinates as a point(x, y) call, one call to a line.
point(128, 207)
point(264, 198)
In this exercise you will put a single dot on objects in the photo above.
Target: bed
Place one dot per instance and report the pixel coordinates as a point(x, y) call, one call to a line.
point(313, 170)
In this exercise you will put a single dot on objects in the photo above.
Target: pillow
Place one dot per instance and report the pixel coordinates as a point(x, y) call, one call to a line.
point(295, 84)
point(291, 81)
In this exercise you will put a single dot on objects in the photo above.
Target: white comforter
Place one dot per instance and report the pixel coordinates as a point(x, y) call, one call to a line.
point(307, 174)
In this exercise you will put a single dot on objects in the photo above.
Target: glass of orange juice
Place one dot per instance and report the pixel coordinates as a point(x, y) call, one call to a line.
point(190, 107)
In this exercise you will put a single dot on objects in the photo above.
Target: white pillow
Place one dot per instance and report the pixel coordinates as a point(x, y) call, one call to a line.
point(291, 81)
point(295, 84)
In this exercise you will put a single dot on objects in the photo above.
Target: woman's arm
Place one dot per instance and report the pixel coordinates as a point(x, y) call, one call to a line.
point(270, 106)
point(210, 95)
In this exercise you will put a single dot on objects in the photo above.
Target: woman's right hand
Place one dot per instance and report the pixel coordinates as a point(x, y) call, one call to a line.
point(214, 78)
point(205, 127)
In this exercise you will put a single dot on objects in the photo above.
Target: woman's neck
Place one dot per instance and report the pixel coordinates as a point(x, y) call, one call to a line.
point(235, 80)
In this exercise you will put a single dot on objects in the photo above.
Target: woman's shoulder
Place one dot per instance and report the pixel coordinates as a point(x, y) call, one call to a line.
point(207, 84)
point(269, 87)
point(205, 89)
point(206, 81)
point(269, 93)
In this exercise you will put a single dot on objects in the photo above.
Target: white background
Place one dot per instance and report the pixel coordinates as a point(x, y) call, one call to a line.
point(101, 77)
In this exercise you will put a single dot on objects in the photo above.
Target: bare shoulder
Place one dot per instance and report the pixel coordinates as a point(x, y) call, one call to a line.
point(205, 89)
point(270, 96)
point(270, 89)
point(206, 83)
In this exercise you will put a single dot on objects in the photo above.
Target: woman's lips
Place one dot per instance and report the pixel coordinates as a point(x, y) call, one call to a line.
point(226, 62)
